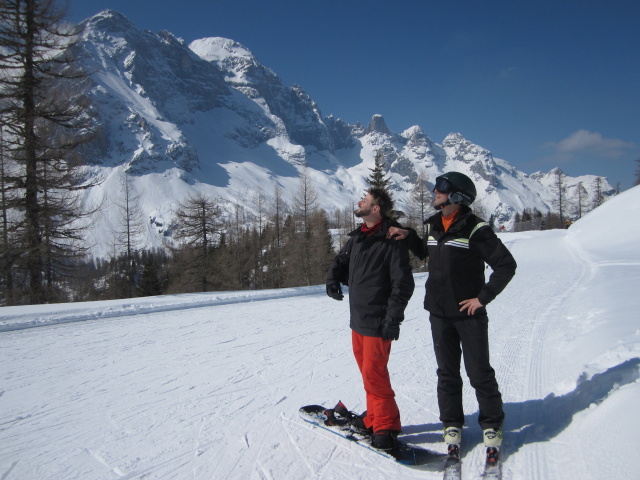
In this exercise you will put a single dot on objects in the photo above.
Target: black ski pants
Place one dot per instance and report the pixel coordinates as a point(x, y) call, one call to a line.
point(468, 338)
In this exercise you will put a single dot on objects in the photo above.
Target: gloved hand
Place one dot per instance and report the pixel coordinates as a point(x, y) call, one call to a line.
point(334, 291)
point(390, 330)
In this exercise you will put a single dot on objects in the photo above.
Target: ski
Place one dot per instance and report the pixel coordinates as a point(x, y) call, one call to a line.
point(453, 465)
point(492, 464)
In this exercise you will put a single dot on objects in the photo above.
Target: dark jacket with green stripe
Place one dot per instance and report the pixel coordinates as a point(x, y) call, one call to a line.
point(457, 263)
point(379, 276)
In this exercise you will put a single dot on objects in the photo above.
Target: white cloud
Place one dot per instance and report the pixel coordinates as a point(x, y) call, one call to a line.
point(586, 142)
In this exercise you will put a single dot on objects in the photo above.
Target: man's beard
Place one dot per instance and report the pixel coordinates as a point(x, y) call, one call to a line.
point(362, 212)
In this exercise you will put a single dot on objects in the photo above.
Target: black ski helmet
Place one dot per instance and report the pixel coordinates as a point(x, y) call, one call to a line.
point(462, 189)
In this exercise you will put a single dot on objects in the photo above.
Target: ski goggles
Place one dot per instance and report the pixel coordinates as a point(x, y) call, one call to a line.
point(443, 185)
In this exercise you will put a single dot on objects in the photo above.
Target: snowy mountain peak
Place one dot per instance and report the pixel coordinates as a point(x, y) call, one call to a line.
point(458, 141)
point(415, 131)
point(241, 66)
point(219, 49)
point(110, 18)
point(417, 137)
point(209, 118)
point(459, 148)
point(454, 137)
point(378, 125)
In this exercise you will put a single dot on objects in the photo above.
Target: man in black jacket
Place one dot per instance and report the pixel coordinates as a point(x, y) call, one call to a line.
point(380, 281)
point(458, 245)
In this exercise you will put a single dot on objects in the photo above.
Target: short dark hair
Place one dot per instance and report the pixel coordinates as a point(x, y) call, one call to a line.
point(382, 198)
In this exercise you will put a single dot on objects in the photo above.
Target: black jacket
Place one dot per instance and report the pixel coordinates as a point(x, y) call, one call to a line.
point(379, 276)
point(457, 263)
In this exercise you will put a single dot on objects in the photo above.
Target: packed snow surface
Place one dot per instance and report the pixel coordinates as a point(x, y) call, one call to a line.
point(207, 386)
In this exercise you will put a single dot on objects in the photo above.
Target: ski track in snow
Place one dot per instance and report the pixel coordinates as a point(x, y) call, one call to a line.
point(524, 354)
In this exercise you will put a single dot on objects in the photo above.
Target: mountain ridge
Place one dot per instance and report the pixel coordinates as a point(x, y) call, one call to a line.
point(208, 118)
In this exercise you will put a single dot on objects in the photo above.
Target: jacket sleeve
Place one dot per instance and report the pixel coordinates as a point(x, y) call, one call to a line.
point(487, 244)
point(402, 283)
point(339, 268)
point(416, 245)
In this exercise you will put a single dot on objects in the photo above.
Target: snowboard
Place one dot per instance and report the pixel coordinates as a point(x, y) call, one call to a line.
point(404, 453)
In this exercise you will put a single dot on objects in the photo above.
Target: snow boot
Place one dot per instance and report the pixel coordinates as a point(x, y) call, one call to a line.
point(492, 437)
point(357, 423)
point(385, 439)
point(452, 435)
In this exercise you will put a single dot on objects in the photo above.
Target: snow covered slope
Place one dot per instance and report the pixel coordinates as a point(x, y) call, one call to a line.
point(208, 385)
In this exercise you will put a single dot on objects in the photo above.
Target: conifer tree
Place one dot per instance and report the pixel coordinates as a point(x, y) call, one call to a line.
point(559, 190)
point(150, 282)
point(420, 206)
point(42, 112)
point(274, 240)
point(321, 246)
point(260, 223)
point(9, 247)
point(198, 230)
point(293, 254)
point(598, 196)
point(581, 205)
point(378, 177)
point(305, 203)
point(128, 228)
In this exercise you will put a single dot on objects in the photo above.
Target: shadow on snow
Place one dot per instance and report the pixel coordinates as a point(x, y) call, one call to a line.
point(534, 421)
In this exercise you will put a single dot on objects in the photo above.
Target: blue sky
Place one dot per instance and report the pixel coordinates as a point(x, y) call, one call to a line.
point(541, 83)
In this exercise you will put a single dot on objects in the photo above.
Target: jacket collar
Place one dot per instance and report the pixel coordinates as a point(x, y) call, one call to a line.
point(380, 233)
point(456, 226)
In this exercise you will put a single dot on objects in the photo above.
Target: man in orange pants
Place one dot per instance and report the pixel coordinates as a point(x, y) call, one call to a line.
point(380, 281)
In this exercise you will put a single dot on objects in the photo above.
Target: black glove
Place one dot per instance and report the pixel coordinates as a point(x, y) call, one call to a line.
point(390, 330)
point(334, 291)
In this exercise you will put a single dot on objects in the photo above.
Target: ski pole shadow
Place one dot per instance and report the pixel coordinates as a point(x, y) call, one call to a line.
point(540, 420)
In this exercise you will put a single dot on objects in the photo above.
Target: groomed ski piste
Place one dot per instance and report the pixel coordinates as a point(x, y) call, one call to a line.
point(208, 386)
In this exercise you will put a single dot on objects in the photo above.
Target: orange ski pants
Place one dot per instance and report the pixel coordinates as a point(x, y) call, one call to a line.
point(372, 356)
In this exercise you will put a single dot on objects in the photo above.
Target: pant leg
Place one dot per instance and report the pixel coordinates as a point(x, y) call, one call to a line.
point(357, 342)
point(446, 344)
point(474, 335)
point(372, 357)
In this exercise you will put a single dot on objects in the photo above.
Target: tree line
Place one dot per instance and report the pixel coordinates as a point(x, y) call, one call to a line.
point(215, 246)
point(565, 212)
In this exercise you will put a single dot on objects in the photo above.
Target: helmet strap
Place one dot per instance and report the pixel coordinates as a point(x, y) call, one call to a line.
point(443, 204)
